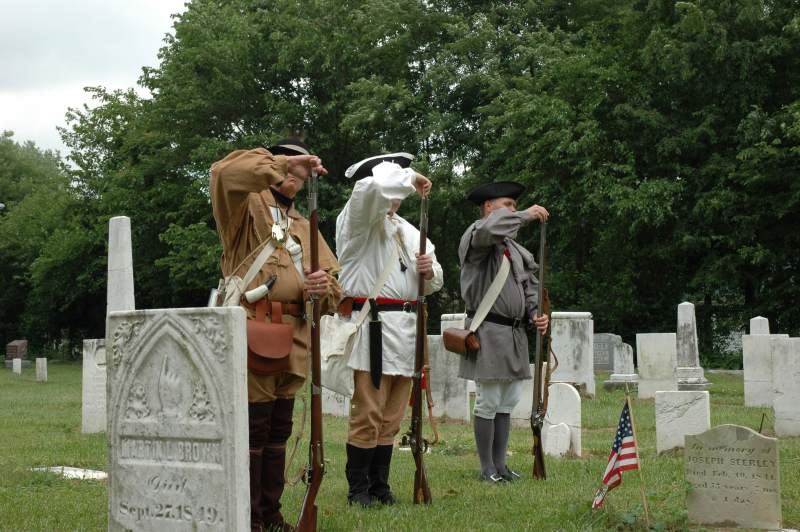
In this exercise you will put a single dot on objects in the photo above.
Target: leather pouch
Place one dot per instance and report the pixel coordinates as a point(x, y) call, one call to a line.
point(345, 308)
point(461, 341)
point(268, 343)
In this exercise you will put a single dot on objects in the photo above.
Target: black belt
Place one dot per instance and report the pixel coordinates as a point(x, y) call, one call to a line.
point(501, 320)
point(390, 307)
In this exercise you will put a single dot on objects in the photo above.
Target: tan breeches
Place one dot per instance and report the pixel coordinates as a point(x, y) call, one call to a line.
point(266, 388)
point(375, 415)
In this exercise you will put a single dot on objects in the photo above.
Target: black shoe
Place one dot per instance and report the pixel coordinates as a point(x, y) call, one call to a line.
point(379, 469)
point(494, 478)
point(509, 475)
point(357, 473)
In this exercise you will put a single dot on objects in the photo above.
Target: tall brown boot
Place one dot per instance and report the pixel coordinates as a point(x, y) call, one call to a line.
point(273, 466)
point(259, 417)
point(256, 521)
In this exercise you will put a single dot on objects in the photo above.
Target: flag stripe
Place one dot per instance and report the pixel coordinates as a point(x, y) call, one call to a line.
point(624, 457)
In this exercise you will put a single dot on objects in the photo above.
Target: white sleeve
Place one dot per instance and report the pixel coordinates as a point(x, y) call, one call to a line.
point(372, 197)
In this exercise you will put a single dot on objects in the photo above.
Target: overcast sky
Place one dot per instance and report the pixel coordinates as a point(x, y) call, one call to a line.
point(51, 49)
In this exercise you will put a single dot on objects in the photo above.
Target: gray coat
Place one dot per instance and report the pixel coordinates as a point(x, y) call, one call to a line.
point(503, 355)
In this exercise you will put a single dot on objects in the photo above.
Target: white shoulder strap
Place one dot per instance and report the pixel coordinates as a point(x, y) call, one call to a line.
point(258, 263)
point(382, 278)
point(491, 294)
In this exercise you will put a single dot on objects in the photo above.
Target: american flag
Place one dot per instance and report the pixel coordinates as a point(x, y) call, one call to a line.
point(624, 457)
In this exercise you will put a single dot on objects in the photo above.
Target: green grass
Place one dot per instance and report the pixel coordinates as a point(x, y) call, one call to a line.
point(40, 426)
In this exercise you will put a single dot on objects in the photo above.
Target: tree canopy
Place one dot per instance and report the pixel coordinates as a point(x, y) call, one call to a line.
point(664, 138)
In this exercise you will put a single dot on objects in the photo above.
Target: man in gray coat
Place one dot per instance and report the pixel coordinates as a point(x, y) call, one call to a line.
point(501, 363)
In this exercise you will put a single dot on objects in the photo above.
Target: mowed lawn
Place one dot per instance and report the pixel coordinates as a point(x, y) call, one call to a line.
point(40, 426)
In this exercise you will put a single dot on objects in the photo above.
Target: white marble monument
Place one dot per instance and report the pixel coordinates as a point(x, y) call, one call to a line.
point(564, 406)
point(759, 325)
point(624, 371)
point(786, 380)
point(734, 474)
point(573, 336)
point(41, 370)
point(690, 373)
point(119, 291)
point(449, 391)
point(16, 366)
point(759, 390)
point(678, 414)
point(335, 404)
point(556, 440)
point(452, 320)
point(658, 363)
point(93, 386)
point(177, 420)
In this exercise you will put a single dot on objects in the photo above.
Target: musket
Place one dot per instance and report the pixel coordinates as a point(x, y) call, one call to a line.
point(422, 492)
point(307, 522)
point(539, 406)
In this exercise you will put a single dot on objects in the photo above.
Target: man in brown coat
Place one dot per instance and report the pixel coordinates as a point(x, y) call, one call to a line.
point(252, 193)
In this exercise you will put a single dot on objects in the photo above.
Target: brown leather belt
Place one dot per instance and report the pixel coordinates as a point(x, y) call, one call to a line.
point(292, 308)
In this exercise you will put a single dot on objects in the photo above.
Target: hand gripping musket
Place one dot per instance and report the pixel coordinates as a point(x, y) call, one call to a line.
point(543, 350)
point(422, 492)
point(307, 522)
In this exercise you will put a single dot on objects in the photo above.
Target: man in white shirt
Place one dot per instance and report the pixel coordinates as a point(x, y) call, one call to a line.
point(368, 234)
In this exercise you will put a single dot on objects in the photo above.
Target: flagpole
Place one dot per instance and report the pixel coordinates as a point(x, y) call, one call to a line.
point(638, 457)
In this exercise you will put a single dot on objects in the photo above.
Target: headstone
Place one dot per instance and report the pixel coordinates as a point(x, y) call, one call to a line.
point(678, 414)
point(556, 440)
point(757, 362)
point(17, 349)
point(564, 407)
point(658, 363)
point(759, 325)
point(93, 386)
point(41, 370)
point(573, 335)
point(734, 477)
point(786, 380)
point(119, 292)
point(16, 366)
point(335, 404)
point(74, 472)
point(690, 374)
point(177, 420)
point(605, 347)
point(449, 391)
point(624, 373)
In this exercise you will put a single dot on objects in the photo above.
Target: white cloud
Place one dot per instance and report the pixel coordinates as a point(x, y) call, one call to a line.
point(51, 49)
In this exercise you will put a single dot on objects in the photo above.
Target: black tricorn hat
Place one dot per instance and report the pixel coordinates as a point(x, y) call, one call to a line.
point(290, 146)
point(498, 189)
point(362, 169)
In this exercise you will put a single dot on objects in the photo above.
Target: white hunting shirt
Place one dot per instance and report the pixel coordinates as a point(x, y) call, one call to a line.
point(364, 239)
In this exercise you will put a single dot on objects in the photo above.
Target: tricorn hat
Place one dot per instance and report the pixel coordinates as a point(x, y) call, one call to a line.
point(362, 169)
point(290, 146)
point(498, 189)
